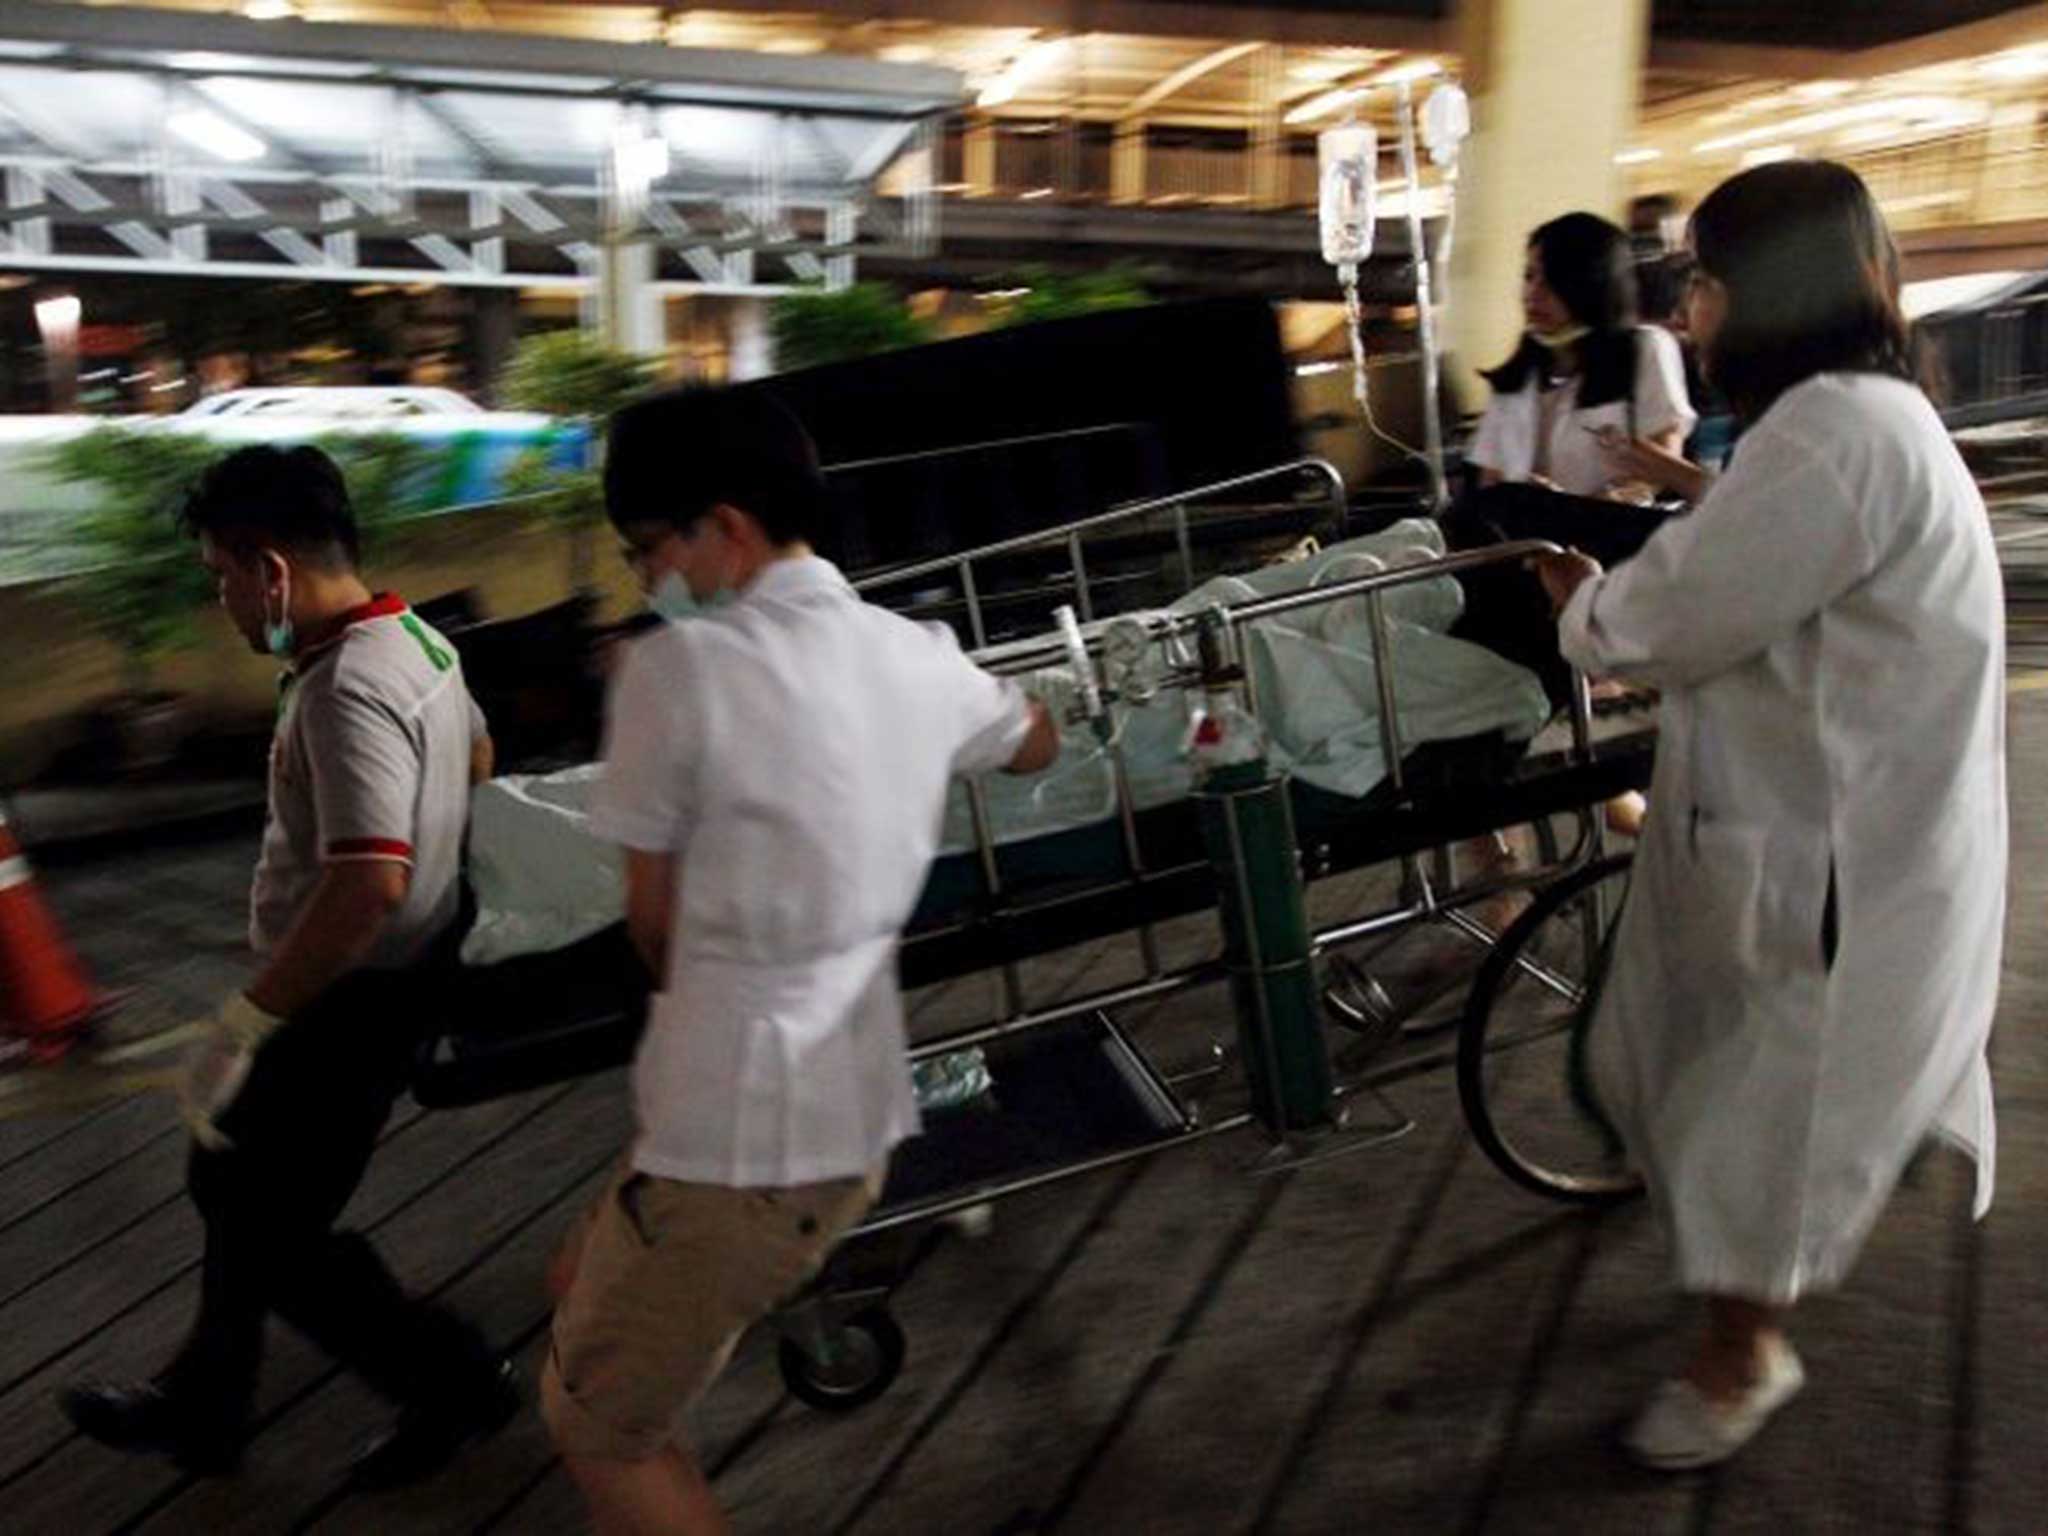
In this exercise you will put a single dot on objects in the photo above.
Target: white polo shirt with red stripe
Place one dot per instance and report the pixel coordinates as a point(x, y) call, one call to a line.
point(370, 760)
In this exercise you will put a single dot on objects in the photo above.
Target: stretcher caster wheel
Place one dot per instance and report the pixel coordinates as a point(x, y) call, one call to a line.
point(1524, 1065)
point(859, 1360)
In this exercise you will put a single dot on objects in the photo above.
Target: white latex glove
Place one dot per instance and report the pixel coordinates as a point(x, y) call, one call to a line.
point(217, 1065)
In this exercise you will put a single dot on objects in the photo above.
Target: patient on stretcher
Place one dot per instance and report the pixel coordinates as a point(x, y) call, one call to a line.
point(542, 882)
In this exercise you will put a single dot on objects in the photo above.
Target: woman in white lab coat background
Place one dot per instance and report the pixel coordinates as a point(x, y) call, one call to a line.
point(1807, 964)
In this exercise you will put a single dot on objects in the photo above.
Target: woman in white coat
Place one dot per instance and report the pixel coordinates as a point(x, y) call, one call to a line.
point(1807, 965)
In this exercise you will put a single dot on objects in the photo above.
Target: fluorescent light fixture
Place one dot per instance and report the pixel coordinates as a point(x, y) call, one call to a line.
point(58, 318)
point(270, 10)
point(907, 53)
point(1310, 370)
point(215, 134)
point(1947, 111)
point(998, 295)
point(1768, 154)
point(1323, 105)
point(1638, 156)
point(1034, 194)
point(1028, 66)
point(641, 159)
point(2018, 64)
point(793, 45)
point(1345, 96)
point(1408, 73)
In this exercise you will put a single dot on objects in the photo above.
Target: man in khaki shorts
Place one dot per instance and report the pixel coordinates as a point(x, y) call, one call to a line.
point(776, 768)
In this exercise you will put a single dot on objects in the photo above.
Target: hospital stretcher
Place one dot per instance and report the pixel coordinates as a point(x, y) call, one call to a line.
point(1073, 1088)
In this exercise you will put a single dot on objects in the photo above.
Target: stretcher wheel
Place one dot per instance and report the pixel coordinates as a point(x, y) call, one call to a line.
point(865, 1356)
point(1523, 1073)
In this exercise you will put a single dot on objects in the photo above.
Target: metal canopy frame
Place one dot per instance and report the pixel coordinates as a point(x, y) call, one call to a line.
point(480, 159)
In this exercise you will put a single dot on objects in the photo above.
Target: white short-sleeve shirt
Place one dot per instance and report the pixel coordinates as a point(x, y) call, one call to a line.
point(370, 760)
point(794, 751)
point(1515, 424)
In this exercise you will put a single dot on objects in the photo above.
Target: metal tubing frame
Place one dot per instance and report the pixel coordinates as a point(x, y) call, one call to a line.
point(1432, 904)
point(896, 575)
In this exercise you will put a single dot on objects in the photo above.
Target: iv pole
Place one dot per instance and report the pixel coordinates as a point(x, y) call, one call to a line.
point(1418, 246)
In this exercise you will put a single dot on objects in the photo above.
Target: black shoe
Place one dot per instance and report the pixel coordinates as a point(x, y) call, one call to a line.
point(147, 1417)
point(426, 1437)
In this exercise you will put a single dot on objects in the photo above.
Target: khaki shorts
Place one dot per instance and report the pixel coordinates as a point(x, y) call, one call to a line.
point(670, 1275)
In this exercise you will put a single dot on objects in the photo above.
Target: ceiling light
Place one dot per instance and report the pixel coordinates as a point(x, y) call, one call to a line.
point(2019, 64)
point(215, 134)
point(1638, 156)
point(1031, 63)
point(270, 10)
point(1822, 90)
point(57, 319)
point(1769, 154)
point(1946, 111)
point(1408, 73)
point(907, 53)
point(1034, 194)
point(1323, 105)
point(793, 45)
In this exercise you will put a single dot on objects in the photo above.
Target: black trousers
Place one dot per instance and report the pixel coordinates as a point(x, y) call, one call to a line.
point(1505, 608)
point(303, 1129)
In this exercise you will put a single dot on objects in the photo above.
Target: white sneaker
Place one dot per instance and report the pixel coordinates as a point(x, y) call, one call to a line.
point(1682, 1429)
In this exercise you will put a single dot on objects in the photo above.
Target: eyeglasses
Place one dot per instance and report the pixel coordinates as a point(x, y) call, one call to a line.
point(639, 553)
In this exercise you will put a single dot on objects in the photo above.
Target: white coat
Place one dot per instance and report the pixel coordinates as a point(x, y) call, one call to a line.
point(1828, 632)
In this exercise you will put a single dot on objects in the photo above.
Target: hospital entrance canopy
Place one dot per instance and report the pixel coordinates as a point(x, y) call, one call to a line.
point(162, 142)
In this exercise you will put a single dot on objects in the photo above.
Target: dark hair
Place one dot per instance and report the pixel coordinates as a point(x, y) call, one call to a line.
point(292, 499)
point(1661, 283)
point(1812, 279)
point(1588, 265)
point(673, 457)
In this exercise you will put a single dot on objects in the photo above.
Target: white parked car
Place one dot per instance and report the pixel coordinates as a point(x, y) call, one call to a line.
point(396, 402)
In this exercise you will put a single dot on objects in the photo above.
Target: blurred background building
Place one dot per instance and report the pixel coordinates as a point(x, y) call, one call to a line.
point(408, 149)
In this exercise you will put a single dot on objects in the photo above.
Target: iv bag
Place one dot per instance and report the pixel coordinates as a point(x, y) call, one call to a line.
point(1348, 162)
point(1446, 122)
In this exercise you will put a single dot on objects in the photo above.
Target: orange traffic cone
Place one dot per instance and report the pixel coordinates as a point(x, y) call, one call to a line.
point(44, 996)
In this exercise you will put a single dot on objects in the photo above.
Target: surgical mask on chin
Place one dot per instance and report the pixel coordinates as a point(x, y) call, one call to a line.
point(1563, 336)
point(673, 599)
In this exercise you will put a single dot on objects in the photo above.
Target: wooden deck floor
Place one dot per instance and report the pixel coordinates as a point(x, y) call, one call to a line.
point(1398, 1341)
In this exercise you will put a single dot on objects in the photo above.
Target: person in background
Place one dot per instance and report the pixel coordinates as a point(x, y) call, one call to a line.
point(1807, 965)
point(290, 1081)
point(1585, 379)
point(776, 766)
point(1583, 366)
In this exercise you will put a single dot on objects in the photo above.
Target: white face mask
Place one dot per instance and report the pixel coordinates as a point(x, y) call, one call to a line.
point(673, 599)
point(277, 632)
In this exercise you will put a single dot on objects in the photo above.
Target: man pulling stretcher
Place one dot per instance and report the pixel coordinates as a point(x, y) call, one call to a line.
point(287, 1085)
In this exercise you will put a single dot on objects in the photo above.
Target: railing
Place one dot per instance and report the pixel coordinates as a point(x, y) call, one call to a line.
point(1072, 535)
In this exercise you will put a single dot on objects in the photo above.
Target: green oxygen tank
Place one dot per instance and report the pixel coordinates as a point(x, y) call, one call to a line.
point(1248, 827)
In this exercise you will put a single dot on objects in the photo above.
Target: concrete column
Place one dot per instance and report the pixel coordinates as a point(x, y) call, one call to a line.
point(1554, 89)
point(750, 347)
point(978, 158)
point(1127, 161)
point(1266, 184)
point(629, 314)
